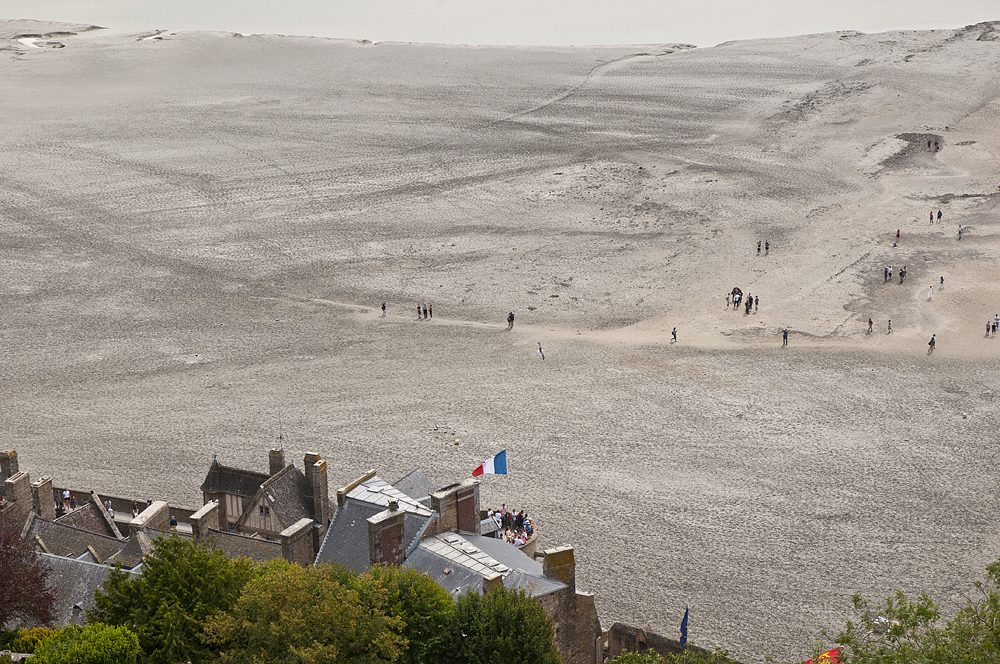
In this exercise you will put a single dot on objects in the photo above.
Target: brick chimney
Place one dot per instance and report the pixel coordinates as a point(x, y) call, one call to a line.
point(17, 494)
point(43, 500)
point(385, 537)
point(297, 543)
point(276, 461)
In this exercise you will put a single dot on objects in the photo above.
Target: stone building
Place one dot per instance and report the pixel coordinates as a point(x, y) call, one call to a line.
point(439, 533)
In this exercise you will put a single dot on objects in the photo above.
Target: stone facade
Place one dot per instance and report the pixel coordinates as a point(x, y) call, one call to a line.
point(574, 614)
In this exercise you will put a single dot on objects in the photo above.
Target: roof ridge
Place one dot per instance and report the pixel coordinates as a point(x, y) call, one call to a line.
point(82, 530)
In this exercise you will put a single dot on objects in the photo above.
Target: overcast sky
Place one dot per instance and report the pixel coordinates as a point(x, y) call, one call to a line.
point(555, 22)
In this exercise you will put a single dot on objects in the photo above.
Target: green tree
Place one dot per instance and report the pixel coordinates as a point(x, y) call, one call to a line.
point(93, 644)
point(504, 625)
point(28, 639)
point(425, 608)
point(648, 657)
point(182, 585)
point(897, 630)
point(313, 615)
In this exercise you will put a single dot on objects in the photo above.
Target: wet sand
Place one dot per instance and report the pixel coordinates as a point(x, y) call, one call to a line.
point(199, 230)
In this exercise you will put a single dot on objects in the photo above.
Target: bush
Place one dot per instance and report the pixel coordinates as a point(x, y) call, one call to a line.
point(93, 644)
point(28, 639)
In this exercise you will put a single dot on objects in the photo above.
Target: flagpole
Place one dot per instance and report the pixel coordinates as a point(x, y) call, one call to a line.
point(506, 483)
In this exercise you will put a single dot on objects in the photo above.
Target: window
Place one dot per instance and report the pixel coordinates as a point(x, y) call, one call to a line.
point(262, 510)
point(267, 511)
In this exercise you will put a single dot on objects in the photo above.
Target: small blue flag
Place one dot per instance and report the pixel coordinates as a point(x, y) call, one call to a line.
point(684, 628)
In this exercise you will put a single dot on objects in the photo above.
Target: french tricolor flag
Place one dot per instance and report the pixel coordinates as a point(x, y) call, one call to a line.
point(494, 466)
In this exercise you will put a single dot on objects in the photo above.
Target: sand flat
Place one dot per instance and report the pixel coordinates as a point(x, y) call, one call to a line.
point(199, 229)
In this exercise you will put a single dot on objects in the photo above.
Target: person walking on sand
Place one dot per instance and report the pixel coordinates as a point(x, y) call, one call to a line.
point(930, 293)
point(897, 235)
point(890, 327)
point(418, 312)
point(960, 231)
point(767, 247)
point(756, 301)
point(727, 299)
point(383, 310)
point(939, 215)
point(885, 275)
point(430, 309)
point(870, 323)
point(425, 310)
point(941, 287)
point(931, 343)
point(510, 320)
point(932, 216)
point(890, 273)
point(784, 337)
point(540, 350)
point(674, 333)
point(758, 247)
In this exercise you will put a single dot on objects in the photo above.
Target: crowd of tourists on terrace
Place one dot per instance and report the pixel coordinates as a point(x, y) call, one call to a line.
point(513, 526)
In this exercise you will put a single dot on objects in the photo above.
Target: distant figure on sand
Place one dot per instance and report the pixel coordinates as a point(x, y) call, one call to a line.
point(870, 323)
point(931, 344)
point(540, 350)
point(418, 312)
point(932, 216)
point(939, 215)
point(425, 310)
point(942, 284)
point(890, 327)
point(890, 273)
point(885, 275)
point(930, 292)
point(960, 231)
point(510, 320)
point(897, 235)
point(383, 310)
point(784, 337)
point(430, 308)
point(758, 247)
point(767, 247)
point(756, 301)
point(674, 333)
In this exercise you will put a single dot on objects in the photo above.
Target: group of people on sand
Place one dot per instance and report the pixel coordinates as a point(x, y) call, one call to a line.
point(992, 325)
point(887, 274)
point(767, 247)
point(735, 297)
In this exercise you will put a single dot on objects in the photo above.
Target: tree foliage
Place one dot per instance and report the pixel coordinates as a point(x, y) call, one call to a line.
point(900, 630)
point(93, 644)
point(504, 625)
point(28, 639)
point(25, 595)
point(308, 616)
point(424, 607)
point(166, 606)
point(690, 656)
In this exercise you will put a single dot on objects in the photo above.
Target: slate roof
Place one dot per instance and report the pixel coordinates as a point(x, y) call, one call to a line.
point(235, 545)
point(73, 582)
point(288, 492)
point(346, 540)
point(235, 481)
point(476, 555)
point(93, 517)
point(64, 540)
point(378, 492)
point(415, 484)
point(456, 580)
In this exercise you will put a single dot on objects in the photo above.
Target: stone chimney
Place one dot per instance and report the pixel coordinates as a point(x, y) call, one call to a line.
point(276, 461)
point(8, 465)
point(560, 564)
point(17, 497)
point(205, 519)
point(319, 488)
point(297, 543)
point(458, 506)
point(385, 537)
point(43, 500)
point(492, 581)
point(154, 517)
